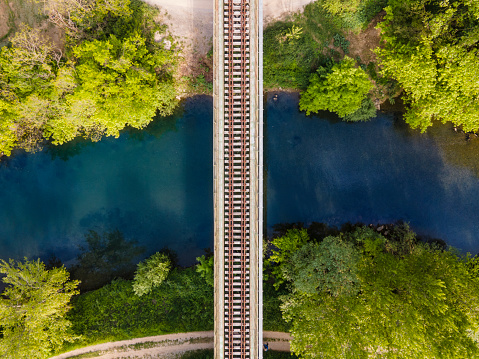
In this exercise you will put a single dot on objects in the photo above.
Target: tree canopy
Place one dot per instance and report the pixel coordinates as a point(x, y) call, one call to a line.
point(33, 309)
point(431, 49)
point(112, 75)
point(362, 295)
point(151, 273)
point(340, 89)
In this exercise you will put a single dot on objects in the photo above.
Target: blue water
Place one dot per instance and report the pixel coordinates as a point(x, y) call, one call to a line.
point(155, 185)
point(380, 171)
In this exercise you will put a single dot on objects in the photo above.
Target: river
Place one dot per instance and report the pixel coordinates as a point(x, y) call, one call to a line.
point(155, 185)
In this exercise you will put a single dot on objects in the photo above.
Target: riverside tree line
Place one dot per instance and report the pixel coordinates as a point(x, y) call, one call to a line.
point(354, 292)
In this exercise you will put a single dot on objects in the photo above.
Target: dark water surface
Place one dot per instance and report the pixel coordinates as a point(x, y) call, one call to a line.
point(379, 171)
point(155, 185)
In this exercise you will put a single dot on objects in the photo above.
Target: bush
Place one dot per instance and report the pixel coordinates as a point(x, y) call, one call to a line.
point(366, 112)
point(340, 90)
point(183, 303)
point(151, 273)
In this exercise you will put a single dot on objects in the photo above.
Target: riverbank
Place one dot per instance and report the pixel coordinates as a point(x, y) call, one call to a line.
point(166, 346)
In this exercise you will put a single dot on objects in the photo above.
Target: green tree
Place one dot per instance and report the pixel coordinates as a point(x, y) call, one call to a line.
point(33, 308)
point(114, 72)
point(431, 50)
point(100, 86)
point(366, 112)
point(206, 268)
point(329, 267)
point(282, 248)
point(340, 90)
point(410, 301)
point(151, 273)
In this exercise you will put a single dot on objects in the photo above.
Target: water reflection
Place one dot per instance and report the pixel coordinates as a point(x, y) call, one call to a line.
point(154, 186)
point(381, 171)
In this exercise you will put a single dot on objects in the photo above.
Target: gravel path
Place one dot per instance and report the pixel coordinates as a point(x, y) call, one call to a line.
point(166, 346)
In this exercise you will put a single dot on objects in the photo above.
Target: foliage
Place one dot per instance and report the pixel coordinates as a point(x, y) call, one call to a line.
point(353, 14)
point(366, 112)
point(288, 56)
point(283, 249)
point(183, 303)
point(272, 316)
point(151, 273)
point(392, 297)
point(49, 94)
point(328, 267)
point(205, 268)
point(340, 41)
point(33, 309)
point(106, 256)
point(77, 18)
point(336, 7)
point(431, 50)
point(341, 90)
point(113, 72)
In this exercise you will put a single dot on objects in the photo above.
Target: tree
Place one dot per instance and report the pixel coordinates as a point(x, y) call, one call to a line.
point(33, 309)
point(366, 112)
point(341, 90)
point(431, 50)
point(329, 267)
point(409, 301)
point(151, 273)
point(113, 72)
point(206, 268)
point(103, 83)
point(282, 248)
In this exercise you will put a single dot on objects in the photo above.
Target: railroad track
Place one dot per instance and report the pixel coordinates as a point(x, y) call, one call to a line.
point(237, 116)
point(238, 179)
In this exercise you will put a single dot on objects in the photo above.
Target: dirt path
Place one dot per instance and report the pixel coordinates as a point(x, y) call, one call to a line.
point(166, 346)
point(191, 23)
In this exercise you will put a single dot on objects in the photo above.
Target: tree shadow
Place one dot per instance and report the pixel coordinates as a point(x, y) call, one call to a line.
point(104, 257)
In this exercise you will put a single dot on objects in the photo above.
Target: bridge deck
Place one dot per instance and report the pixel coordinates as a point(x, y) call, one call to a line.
point(238, 179)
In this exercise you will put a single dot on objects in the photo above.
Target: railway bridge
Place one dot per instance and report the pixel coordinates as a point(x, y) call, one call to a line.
point(238, 181)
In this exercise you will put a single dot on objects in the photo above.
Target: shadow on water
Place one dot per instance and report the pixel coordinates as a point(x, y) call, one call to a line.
point(154, 186)
point(374, 172)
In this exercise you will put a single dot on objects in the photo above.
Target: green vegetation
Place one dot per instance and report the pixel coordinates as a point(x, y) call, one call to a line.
point(342, 89)
point(361, 294)
point(33, 309)
point(151, 273)
point(182, 303)
point(431, 50)
point(294, 49)
point(364, 113)
point(205, 268)
point(112, 74)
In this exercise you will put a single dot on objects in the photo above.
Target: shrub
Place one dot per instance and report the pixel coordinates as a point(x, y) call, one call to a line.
point(151, 273)
point(366, 112)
